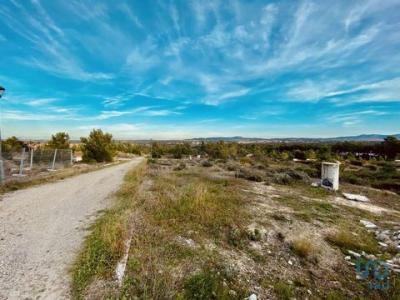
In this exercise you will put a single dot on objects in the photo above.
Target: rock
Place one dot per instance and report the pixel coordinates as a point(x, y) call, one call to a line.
point(382, 237)
point(290, 262)
point(355, 197)
point(368, 224)
point(347, 257)
point(186, 242)
point(252, 297)
point(382, 244)
point(355, 254)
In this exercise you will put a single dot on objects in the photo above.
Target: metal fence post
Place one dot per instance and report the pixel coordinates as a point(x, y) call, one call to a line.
point(21, 165)
point(72, 158)
point(54, 159)
point(31, 162)
point(1, 172)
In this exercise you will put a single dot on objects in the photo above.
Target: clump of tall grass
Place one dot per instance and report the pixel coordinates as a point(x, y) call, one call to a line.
point(304, 247)
point(347, 239)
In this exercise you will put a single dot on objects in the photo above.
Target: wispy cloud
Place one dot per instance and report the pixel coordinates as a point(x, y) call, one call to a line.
point(354, 117)
point(52, 46)
point(343, 92)
point(111, 114)
point(251, 62)
point(42, 102)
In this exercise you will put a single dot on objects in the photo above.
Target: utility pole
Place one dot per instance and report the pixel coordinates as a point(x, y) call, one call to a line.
point(2, 91)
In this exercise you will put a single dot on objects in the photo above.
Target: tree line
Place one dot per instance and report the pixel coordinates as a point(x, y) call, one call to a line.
point(99, 146)
point(389, 149)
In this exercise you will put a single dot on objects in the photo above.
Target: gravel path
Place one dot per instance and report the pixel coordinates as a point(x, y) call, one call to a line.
point(42, 228)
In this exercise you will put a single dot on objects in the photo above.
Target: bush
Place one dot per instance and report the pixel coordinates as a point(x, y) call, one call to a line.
point(211, 284)
point(350, 178)
point(98, 147)
point(59, 141)
point(156, 151)
point(289, 176)
point(355, 162)
point(388, 185)
point(207, 164)
point(251, 175)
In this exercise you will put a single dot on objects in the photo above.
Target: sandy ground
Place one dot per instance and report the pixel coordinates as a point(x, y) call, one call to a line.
point(42, 228)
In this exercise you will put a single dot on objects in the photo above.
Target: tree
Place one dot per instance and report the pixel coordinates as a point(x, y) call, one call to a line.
point(12, 144)
point(391, 146)
point(156, 150)
point(98, 147)
point(59, 141)
point(181, 149)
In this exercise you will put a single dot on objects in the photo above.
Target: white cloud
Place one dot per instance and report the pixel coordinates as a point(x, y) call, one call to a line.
point(354, 117)
point(139, 60)
point(159, 113)
point(111, 114)
point(133, 17)
point(343, 92)
point(53, 48)
point(42, 102)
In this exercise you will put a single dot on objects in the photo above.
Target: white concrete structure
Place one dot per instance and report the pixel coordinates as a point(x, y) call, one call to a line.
point(330, 175)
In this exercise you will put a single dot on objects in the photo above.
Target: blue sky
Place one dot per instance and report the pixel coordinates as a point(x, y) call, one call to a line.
point(180, 69)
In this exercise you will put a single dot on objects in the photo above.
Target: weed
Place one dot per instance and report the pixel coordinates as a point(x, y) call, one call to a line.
point(254, 235)
point(283, 291)
point(349, 239)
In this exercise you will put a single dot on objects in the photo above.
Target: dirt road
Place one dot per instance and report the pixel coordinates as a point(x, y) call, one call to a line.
point(42, 228)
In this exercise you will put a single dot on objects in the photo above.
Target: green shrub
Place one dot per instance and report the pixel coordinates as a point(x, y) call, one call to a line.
point(207, 164)
point(59, 141)
point(283, 291)
point(205, 285)
point(98, 147)
point(356, 162)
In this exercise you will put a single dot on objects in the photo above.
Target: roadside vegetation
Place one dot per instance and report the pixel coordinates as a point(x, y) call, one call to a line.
point(105, 244)
point(205, 228)
point(93, 152)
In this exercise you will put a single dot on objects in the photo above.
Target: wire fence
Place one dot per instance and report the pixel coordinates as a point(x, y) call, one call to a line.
point(30, 162)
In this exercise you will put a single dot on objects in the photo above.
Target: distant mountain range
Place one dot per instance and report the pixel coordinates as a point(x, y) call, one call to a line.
point(357, 138)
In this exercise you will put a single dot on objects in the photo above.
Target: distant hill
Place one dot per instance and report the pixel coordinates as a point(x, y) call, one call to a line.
point(357, 138)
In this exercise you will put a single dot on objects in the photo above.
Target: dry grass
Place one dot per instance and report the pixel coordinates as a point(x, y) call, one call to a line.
point(191, 240)
point(105, 244)
point(348, 238)
point(304, 247)
point(168, 259)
